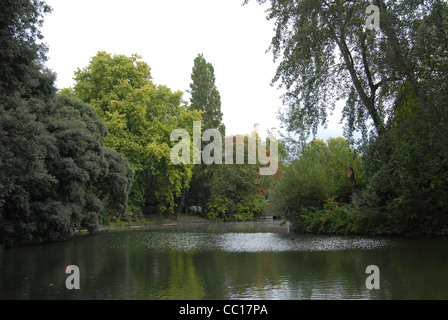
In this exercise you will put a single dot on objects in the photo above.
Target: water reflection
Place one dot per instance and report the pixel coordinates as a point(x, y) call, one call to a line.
point(271, 242)
point(226, 261)
point(254, 237)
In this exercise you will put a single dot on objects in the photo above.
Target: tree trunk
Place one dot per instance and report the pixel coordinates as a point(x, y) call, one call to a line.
point(353, 182)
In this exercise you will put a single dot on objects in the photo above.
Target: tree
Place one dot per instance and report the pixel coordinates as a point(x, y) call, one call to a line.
point(236, 190)
point(205, 98)
point(22, 51)
point(319, 174)
point(407, 172)
point(407, 167)
point(23, 148)
point(393, 78)
point(328, 54)
point(140, 117)
point(56, 177)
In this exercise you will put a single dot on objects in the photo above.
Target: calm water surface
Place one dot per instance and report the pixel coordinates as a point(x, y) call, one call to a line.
point(251, 260)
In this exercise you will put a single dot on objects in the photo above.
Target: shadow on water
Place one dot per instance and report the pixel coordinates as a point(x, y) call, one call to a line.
point(250, 260)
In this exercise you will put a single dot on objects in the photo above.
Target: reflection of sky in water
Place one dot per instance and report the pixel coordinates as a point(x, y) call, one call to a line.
point(272, 242)
point(259, 242)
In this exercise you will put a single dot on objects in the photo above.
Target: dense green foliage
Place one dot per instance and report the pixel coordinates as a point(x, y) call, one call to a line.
point(22, 53)
point(205, 98)
point(140, 117)
point(239, 192)
point(316, 181)
point(394, 79)
point(408, 172)
point(56, 175)
point(407, 166)
point(235, 193)
point(101, 150)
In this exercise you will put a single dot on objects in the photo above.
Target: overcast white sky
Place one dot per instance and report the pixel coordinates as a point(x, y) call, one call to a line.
point(169, 34)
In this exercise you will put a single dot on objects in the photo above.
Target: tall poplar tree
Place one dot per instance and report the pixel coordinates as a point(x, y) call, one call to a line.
point(205, 97)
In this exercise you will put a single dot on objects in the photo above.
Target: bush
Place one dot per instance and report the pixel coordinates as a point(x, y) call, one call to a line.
point(249, 208)
point(407, 170)
point(318, 175)
point(334, 218)
point(56, 173)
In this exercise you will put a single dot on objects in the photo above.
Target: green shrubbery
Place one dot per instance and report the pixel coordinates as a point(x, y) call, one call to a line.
point(394, 84)
point(248, 208)
point(315, 188)
point(403, 191)
point(56, 174)
point(333, 218)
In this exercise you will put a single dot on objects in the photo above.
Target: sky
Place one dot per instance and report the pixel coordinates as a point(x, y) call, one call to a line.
point(168, 35)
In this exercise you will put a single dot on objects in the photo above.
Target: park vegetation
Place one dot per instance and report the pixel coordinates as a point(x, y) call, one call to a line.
point(99, 152)
point(393, 80)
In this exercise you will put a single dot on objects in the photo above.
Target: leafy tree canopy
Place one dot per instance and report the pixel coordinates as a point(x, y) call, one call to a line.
point(327, 54)
point(56, 175)
point(205, 95)
point(140, 117)
point(320, 173)
point(23, 53)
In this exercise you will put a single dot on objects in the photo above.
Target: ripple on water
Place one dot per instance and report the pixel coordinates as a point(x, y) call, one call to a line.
point(279, 243)
point(260, 242)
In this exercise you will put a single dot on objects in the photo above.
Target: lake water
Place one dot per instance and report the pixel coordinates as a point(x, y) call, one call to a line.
point(215, 261)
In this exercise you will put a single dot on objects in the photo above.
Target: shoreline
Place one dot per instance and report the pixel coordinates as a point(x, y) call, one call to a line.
point(167, 222)
point(170, 220)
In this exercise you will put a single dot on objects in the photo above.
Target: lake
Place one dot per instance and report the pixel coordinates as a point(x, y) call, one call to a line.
point(219, 261)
